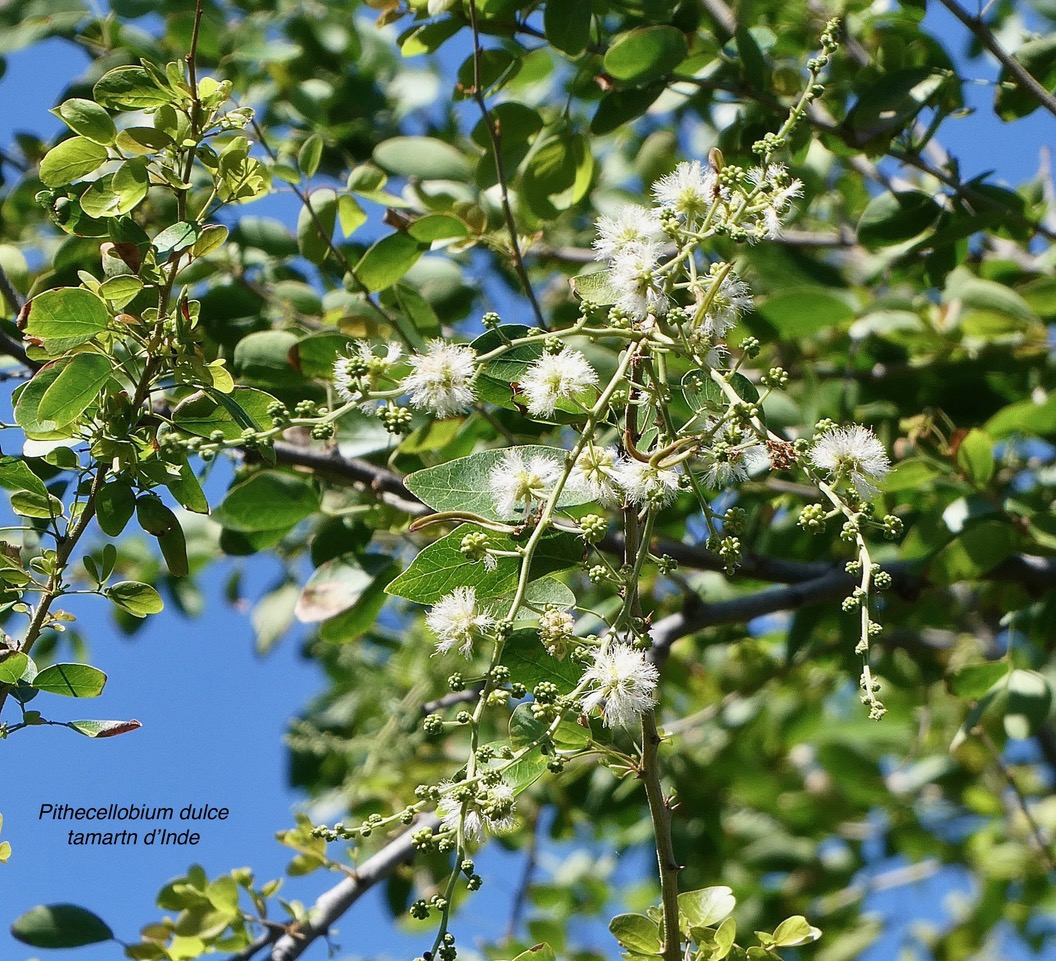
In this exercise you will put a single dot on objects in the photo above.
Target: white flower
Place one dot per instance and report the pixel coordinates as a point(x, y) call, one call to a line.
point(440, 378)
point(344, 378)
point(595, 475)
point(624, 680)
point(555, 377)
point(727, 464)
point(517, 484)
point(729, 301)
point(689, 189)
point(779, 191)
point(855, 453)
point(455, 620)
point(645, 484)
point(494, 813)
point(633, 274)
point(632, 226)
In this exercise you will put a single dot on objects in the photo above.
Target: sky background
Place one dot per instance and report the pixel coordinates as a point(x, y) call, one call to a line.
point(214, 713)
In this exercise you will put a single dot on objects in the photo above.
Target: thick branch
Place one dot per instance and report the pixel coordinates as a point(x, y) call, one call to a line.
point(333, 903)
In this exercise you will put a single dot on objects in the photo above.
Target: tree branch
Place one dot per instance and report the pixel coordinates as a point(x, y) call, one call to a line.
point(1024, 79)
point(331, 904)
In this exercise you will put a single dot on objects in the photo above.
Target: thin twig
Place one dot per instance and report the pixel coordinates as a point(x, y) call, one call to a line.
point(1024, 79)
point(494, 135)
point(1021, 799)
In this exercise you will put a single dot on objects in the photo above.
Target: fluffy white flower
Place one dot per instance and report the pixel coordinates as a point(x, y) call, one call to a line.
point(632, 226)
point(555, 377)
point(494, 813)
point(725, 464)
point(594, 473)
point(779, 191)
point(643, 483)
point(633, 274)
point(624, 680)
point(690, 189)
point(729, 301)
point(518, 484)
point(344, 378)
point(855, 453)
point(440, 378)
point(455, 619)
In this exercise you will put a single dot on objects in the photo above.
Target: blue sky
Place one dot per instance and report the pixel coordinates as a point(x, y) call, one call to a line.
point(214, 713)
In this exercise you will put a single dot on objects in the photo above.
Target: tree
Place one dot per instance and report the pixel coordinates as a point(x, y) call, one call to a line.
point(712, 398)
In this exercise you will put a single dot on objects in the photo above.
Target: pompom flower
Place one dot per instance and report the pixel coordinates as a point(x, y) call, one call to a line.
point(732, 298)
point(855, 453)
point(633, 274)
point(689, 190)
point(632, 227)
point(595, 474)
point(517, 483)
point(455, 619)
point(623, 682)
point(440, 379)
point(361, 366)
point(555, 377)
point(643, 483)
point(493, 813)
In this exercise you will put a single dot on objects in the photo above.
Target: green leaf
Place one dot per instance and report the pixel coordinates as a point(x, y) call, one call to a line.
point(315, 225)
point(595, 286)
point(338, 585)
point(309, 155)
point(1038, 56)
point(76, 388)
point(557, 175)
point(114, 506)
point(174, 239)
point(795, 931)
point(121, 289)
point(706, 907)
point(103, 729)
point(1028, 705)
point(60, 926)
point(88, 119)
point(636, 932)
point(12, 666)
point(979, 548)
point(890, 100)
point(530, 663)
point(417, 320)
point(804, 311)
point(262, 358)
point(268, 500)
point(1025, 417)
point(71, 680)
point(426, 158)
point(187, 489)
point(462, 484)
point(894, 218)
point(131, 184)
point(211, 237)
point(5, 851)
point(70, 160)
point(173, 544)
point(538, 952)
point(526, 728)
point(974, 680)
point(442, 567)
point(975, 456)
point(203, 413)
point(647, 53)
point(435, 227)
point(129, 88)
point(388, 260)
point(136, 598)
point(619, 107)
point(64, 318)
point(567, 25)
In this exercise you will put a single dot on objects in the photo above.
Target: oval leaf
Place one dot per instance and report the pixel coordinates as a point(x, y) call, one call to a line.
point(71, 680)
point(60, 926)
